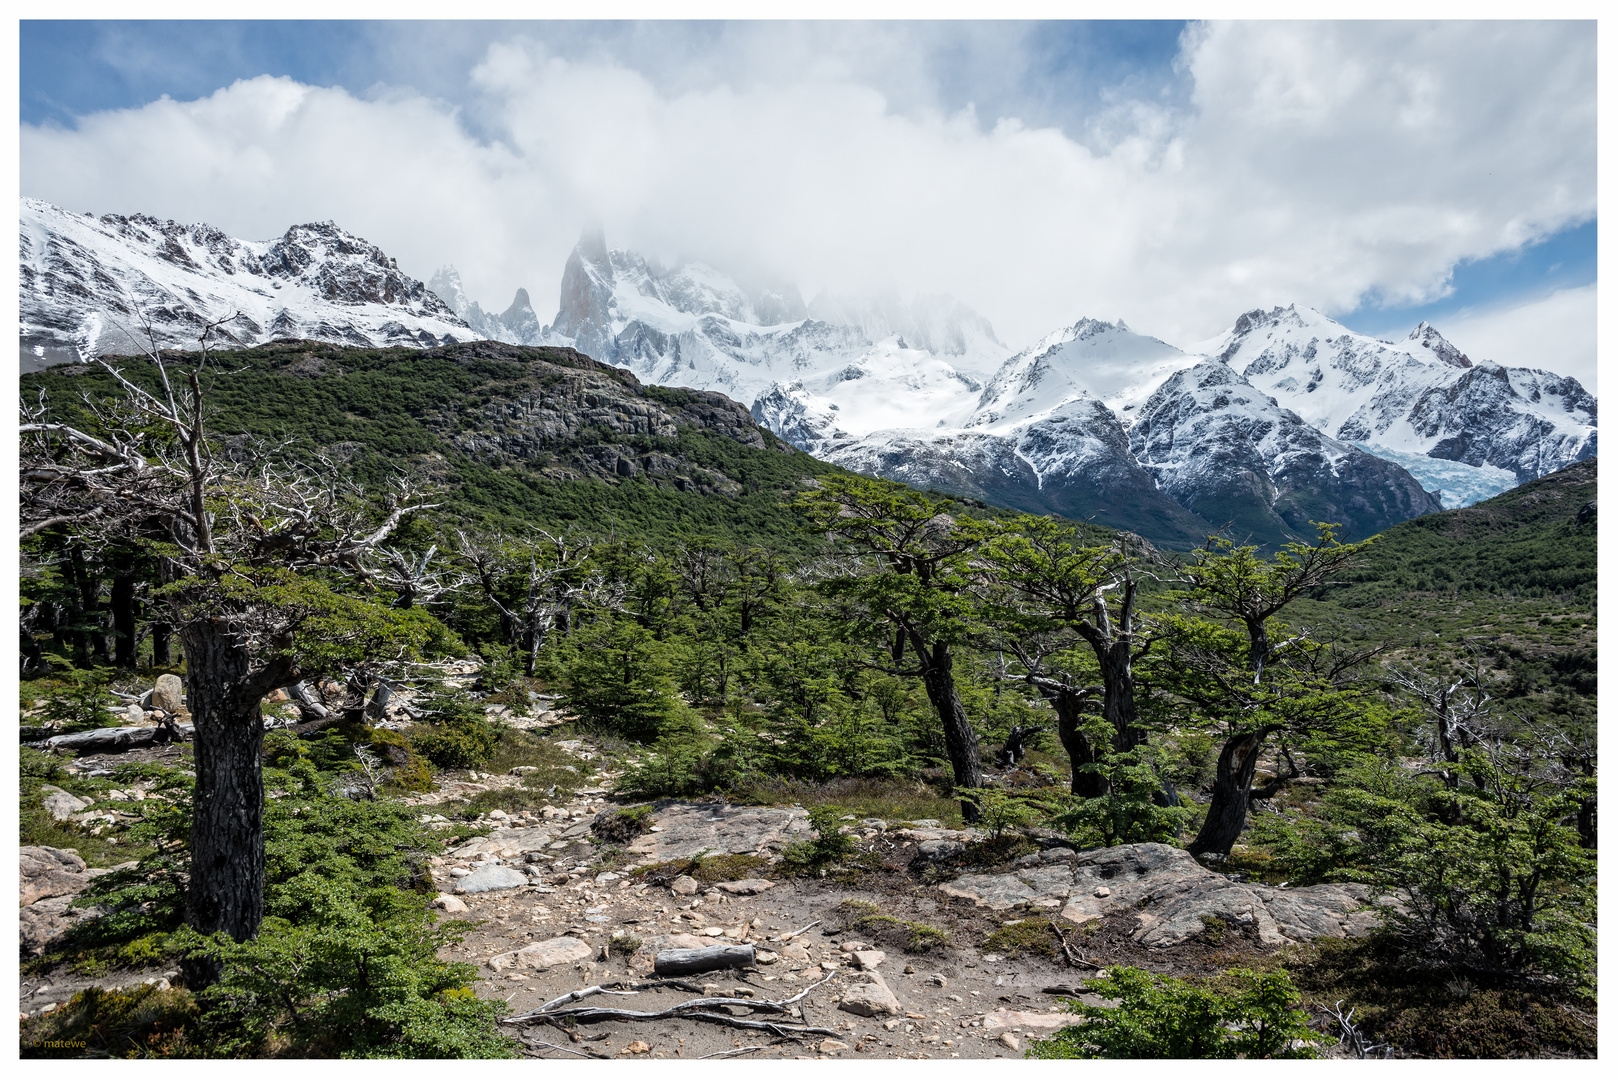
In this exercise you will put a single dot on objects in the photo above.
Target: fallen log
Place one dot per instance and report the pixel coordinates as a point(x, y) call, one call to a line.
point(696, 961)
point(109, 740)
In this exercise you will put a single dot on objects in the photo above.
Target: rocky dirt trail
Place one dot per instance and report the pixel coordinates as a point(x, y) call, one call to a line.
point(892, 960)
point(551, 898)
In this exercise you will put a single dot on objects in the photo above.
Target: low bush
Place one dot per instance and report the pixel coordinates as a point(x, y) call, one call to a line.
point(1251, 1016)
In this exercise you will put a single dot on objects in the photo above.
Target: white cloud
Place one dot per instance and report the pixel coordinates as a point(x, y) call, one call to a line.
point(1557, 333)
point(1316, 162)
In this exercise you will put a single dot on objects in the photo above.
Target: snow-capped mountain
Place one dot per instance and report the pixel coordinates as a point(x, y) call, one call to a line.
point(87, 283)
point(1470, 430)
point(1096, 420)
point(833, 368)
point(517, 325)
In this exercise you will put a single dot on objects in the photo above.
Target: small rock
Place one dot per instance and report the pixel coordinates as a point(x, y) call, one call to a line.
point(168, 694)
point(684, 885)
point(871, 998)
point(829, 965)
point(1010, 1041)
point(765, 956)
point(636, 1047)
point(853, 946)
point(910, 969)
point(796, 951)
point(452, 904)
point(831, 1046)
point(714, 931)
point(1102, 890)
point(938, 980)
point(868, 959)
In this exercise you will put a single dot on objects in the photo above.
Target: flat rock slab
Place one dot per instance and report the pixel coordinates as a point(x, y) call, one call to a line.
point(46, 871)
point(543, 954)
point(60, 805)
point(491, 877)
point(1007, 1018)
point(745, 887)
point(1171, 896)
point(506, 843)
point(719, 829)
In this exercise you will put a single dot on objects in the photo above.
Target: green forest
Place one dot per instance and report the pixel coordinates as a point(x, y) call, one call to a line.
point(726, 617)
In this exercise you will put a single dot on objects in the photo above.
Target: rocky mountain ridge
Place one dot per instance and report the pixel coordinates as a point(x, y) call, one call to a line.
point(93, 286)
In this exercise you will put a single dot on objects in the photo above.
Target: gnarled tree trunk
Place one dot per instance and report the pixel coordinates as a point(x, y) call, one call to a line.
point(1233, 784)
point(960, 742)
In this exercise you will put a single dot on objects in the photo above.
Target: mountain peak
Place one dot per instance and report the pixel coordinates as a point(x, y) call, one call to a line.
point(1427, 336)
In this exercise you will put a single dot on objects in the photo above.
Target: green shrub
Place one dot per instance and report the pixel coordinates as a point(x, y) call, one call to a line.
point(458, 734)
point(830, 845)
point(81, 705)
point(1251, 1016)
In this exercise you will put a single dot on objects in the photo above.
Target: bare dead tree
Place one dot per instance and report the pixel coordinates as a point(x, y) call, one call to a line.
point(234, 530)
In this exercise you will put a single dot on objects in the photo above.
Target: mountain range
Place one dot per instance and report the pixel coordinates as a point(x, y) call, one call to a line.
point(1284, 419)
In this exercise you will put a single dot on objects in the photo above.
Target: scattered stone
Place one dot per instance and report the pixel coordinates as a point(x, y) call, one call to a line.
point(868, 959)
point(796, 951)
point(938, 980)
point(636, 1047)
point(1010, 1041)
point(765, 956)
point(684, 885)
point(853, 946)
point(831, 1046)
point(134, 716)
point(491, 877)
point(871, 998)
point(745, 887)
point(1102, 891)
point(543, 954)
point(454, 905)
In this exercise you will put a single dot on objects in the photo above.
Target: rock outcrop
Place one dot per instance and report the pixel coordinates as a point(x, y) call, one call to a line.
point(1172, 897)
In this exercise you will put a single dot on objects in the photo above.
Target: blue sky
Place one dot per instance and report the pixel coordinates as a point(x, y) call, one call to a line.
point(1145, 170)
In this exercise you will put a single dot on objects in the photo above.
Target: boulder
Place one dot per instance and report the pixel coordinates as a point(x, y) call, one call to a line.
point(491, 877)
point(168, 694)
point(871, 998)
point(452, 905)
point(135, 716)
point(41, 924)
point(685, 885)
point(940, 849)
point(543, 954)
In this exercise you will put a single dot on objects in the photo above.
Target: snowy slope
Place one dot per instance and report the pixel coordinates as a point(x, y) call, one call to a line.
point(86, 284)
point(1097, 421)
